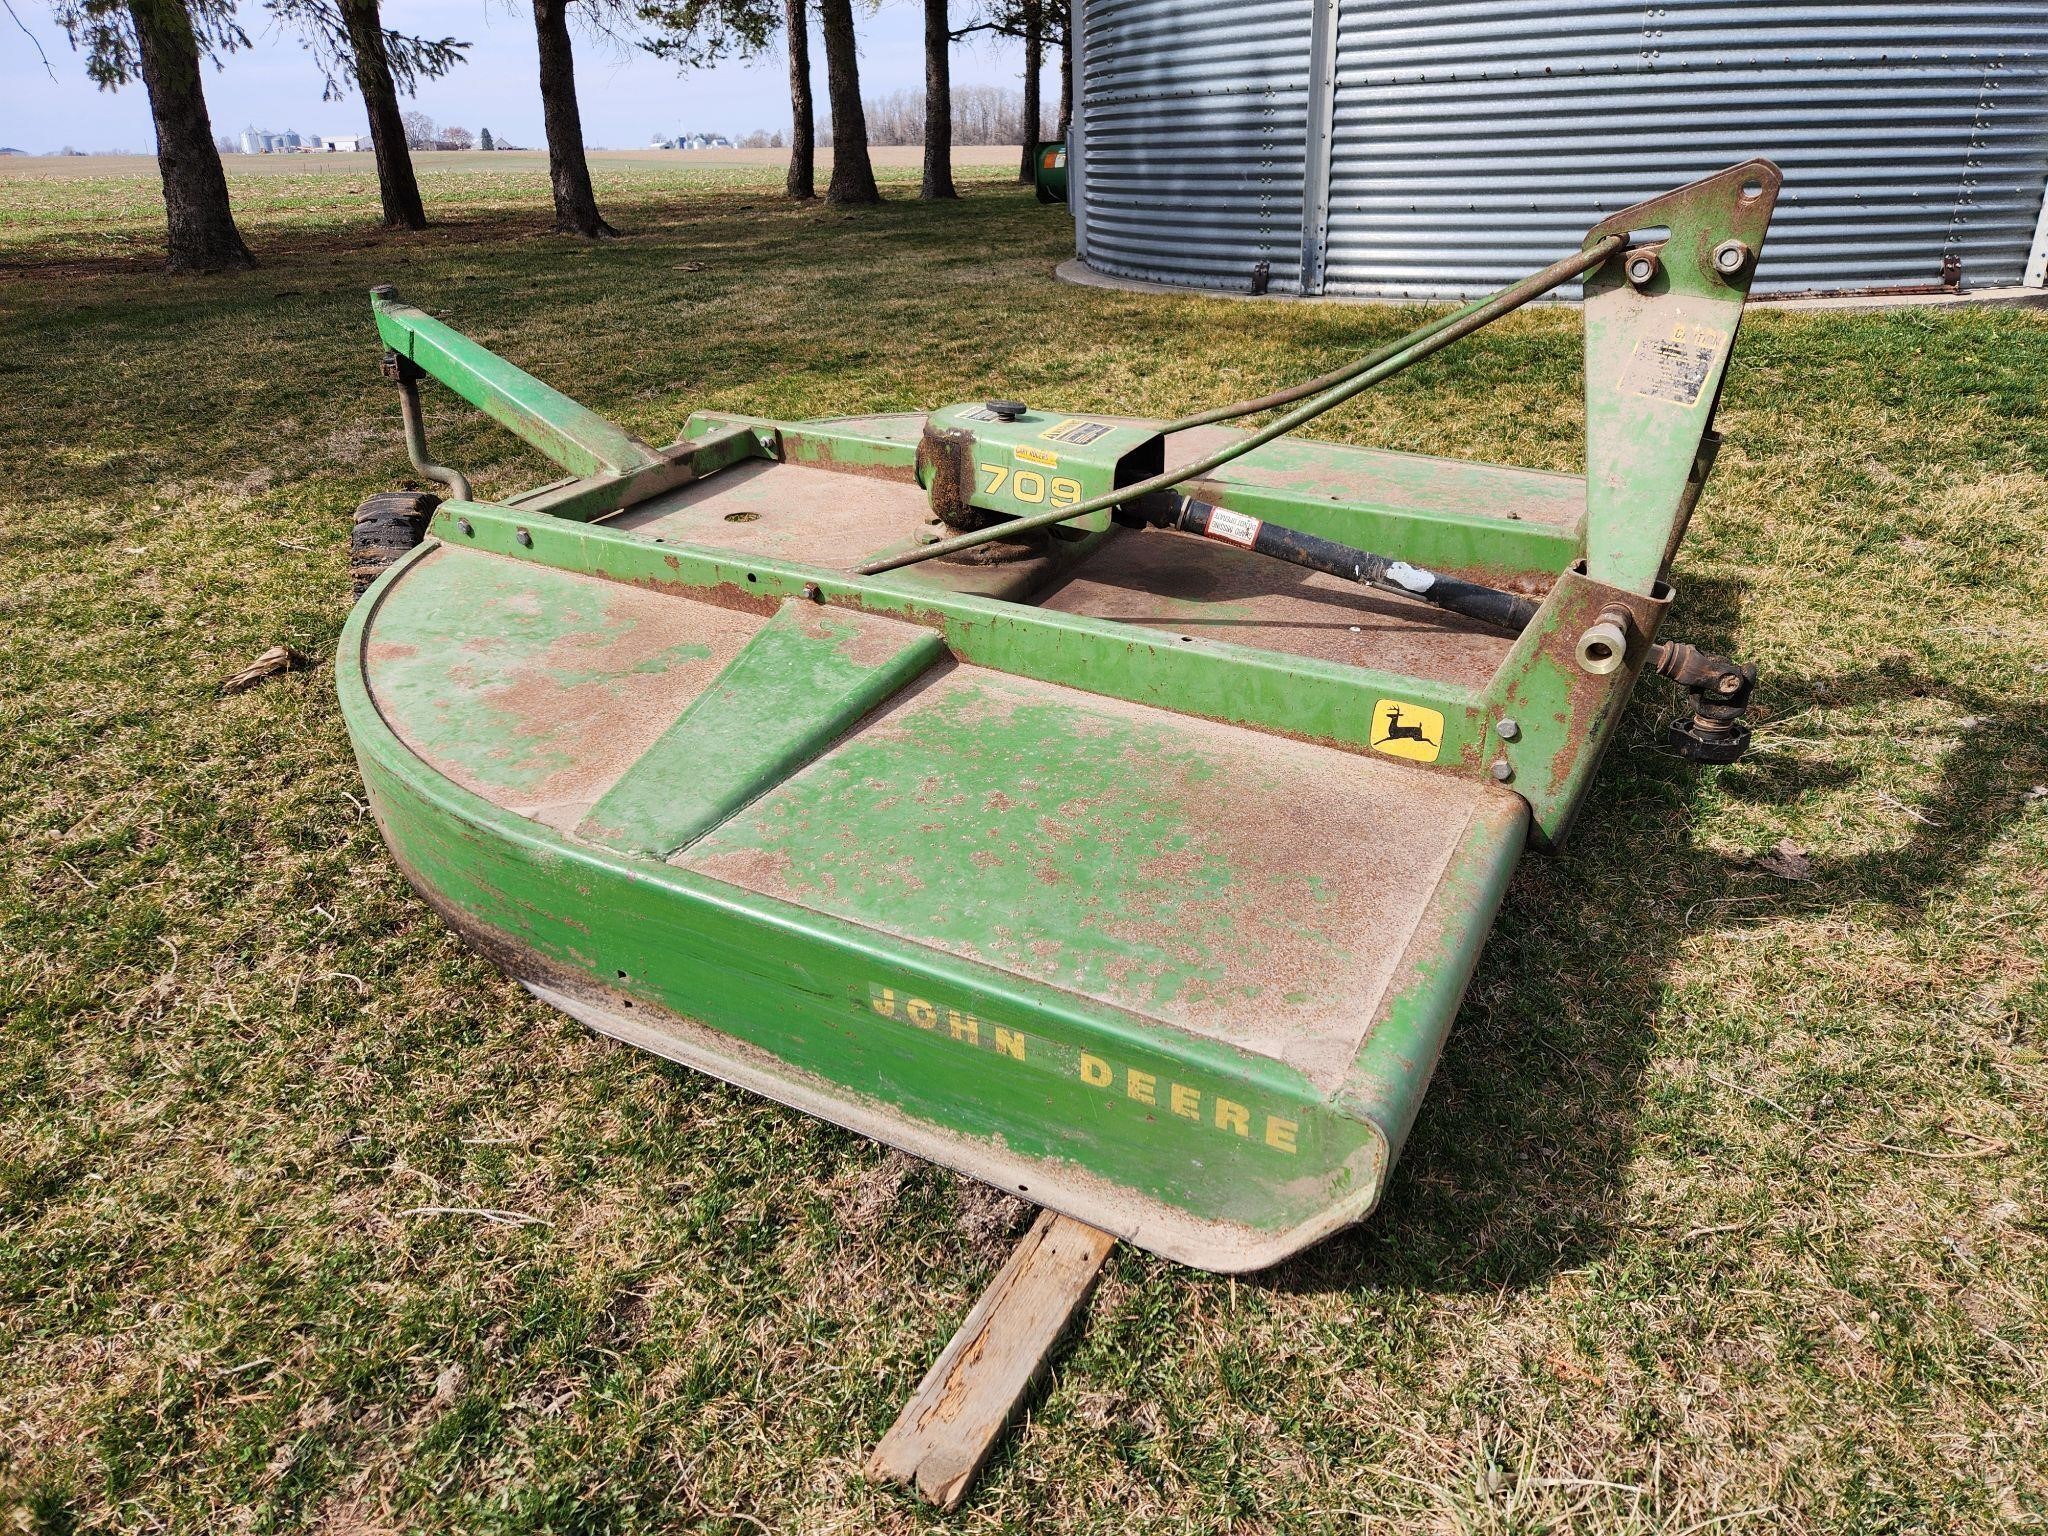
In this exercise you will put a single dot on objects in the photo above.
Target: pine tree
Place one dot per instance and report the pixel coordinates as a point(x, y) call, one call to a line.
point(161, 43)
point(938, 103)
point(351, 44)
point(853, 174)
point(694, 33)
point(568, 168)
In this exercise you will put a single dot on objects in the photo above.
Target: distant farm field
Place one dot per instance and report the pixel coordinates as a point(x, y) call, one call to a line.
point(52, 206)
point(1726, 1212)
point(767, 164)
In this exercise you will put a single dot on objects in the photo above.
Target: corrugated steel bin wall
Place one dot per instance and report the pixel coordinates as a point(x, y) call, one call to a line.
point(1470, 143)
point(1192, 138)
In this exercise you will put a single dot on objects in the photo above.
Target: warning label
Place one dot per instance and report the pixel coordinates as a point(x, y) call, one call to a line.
point(1076, 432)
point(1675, 368)
point(1234, 527)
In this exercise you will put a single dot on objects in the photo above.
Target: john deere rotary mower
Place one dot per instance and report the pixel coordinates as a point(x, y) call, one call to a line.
point(1112, 810)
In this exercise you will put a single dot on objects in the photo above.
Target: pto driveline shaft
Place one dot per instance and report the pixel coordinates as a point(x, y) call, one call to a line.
point(1489, 605)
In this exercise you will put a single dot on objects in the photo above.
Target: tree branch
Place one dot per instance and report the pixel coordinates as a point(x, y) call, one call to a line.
point(35, 41)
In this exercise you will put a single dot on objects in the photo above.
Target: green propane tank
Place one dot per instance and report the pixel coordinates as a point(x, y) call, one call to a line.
point(1049, 170)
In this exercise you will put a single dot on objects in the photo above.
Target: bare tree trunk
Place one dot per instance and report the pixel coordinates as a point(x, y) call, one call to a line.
point(1068, 18)
point(200, 226)
point(802, 183)
point(938, 103)
point(853, 178)
point(575, 203)
point(396, 183)
point(1034, 63)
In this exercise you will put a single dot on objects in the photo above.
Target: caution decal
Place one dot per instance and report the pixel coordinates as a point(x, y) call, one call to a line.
point(1677, 367)
point(1234, 528)
point(1076, 431)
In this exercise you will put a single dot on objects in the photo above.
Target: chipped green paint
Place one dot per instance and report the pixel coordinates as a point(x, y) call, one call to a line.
point(1040, 839)
point(1566, 716)
point(887, 443)
point(1393, 1067)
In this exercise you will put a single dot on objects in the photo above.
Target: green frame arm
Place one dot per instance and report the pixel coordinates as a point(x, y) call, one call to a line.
point(573, 435)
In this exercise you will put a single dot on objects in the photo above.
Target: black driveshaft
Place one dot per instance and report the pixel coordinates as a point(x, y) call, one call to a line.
point(1716, 731)
point(1490, 605)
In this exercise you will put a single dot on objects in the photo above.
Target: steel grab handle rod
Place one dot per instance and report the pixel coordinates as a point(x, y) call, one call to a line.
point(1421, 343)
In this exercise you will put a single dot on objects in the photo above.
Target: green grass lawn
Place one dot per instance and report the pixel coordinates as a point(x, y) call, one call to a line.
point(1725, 1212)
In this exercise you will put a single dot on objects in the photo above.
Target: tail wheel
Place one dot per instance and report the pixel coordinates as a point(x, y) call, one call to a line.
point(387, 528)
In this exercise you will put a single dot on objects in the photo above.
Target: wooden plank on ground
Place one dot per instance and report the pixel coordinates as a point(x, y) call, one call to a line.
point(950, 1424)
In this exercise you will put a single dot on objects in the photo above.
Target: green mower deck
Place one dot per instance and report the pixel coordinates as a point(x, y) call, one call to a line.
point(1131, 873)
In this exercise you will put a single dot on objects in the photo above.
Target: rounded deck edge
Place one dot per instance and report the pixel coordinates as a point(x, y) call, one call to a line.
point(1220, 1247)
point(1210, 1243)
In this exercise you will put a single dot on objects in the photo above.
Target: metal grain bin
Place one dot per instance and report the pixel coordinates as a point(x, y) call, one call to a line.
point(1194, 113)
point(1435, 150)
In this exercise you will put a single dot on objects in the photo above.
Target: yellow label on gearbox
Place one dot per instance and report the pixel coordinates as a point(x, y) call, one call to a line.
point(1407, 730)
point(1032, 455)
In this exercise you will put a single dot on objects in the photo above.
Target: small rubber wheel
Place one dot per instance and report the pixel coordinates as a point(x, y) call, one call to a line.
point(387, 528)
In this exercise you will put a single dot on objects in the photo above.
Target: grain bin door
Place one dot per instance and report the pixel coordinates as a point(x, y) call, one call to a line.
point(1193, 115)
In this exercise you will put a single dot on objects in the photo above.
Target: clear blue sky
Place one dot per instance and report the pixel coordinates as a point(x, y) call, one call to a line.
point(626, 95)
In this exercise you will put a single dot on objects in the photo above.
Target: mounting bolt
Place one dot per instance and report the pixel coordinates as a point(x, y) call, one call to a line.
point(468, 529)
point(814, 592)
point(400, 370)
point(1503, 770)
point(1508, 730)
point(525, 539)
point(1641, 266)
point(1730, 257)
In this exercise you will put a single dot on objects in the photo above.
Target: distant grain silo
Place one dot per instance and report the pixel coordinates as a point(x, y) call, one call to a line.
point(1411, 150)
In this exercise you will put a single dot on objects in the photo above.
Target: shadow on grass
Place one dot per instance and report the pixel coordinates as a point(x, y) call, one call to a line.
point(657, 219)
point(1516, 1166)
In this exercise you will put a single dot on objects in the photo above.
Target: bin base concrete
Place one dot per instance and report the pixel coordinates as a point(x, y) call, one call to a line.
point(1074, 270)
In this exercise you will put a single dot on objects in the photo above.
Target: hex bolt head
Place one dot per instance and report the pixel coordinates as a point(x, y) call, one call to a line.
point(1730, 257)
point(1503, 770)
point(1509, 730)
point(468, 528)
point(525, 539)
point(814, 592)
point(1641, 267)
